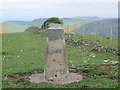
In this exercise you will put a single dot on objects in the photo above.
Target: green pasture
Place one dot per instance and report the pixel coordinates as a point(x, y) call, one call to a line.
point(101, 40)
point(13, 27)
point(24, 53)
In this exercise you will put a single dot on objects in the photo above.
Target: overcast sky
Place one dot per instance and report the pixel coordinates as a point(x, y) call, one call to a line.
point(33, 9)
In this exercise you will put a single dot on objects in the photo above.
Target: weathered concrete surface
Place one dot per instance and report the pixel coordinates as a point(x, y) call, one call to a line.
point(38, 78)
point(56, 68)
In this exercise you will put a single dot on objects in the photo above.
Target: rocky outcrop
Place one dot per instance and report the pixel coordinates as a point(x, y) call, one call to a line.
point(33, 28)
point(95, 47)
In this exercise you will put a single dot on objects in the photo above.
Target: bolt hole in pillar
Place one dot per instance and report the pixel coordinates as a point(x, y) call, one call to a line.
point(56, 75)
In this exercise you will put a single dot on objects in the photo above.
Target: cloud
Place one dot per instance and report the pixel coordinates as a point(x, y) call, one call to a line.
point(32, 9)
point(59, 0)
point(25, 4)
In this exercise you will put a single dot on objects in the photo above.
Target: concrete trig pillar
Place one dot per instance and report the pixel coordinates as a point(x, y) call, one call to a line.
point(56, 68)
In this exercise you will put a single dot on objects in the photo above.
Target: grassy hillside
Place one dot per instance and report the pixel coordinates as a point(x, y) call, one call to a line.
point(102, 40)
point(24, 53)
point(16, 26)
point(2, 27)
point(20, 26)
point(102, 27)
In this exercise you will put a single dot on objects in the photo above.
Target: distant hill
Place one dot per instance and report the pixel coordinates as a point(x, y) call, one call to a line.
point(102, 27)
point(15, 26)
point(21, 26)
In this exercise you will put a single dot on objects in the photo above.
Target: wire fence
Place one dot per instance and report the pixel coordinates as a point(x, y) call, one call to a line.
point(86, 41)
point(103, 42)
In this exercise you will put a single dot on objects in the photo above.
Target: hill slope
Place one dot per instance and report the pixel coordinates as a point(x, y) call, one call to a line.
point(102, 27)
point(20, 26)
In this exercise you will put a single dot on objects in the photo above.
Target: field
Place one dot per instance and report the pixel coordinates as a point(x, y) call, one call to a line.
point(101, 40)
point(21, 26)
point(24, 54)
point(2, 27)
point(73, 26)
point(17, 26)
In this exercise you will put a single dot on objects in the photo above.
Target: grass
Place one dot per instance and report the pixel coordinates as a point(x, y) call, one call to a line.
point(21, 53)
point(24, 53)
point(102, 40)
point(21, 26)
point(13, 27)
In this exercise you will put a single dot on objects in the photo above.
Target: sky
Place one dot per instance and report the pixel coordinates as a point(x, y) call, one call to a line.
point(28, 10)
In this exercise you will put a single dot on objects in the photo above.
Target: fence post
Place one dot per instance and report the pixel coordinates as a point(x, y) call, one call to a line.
point(110, 36)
